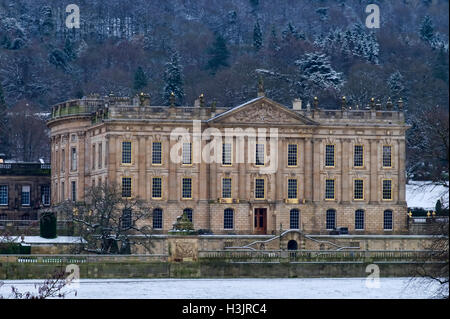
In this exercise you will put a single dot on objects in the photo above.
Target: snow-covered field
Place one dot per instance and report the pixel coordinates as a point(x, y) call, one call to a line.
point(297, 288)
point(425, 195)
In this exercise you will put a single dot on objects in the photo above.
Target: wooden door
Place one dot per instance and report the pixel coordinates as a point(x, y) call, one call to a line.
point(260, 221)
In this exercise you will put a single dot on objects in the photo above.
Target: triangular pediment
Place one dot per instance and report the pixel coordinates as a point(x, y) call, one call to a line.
point(261, 110)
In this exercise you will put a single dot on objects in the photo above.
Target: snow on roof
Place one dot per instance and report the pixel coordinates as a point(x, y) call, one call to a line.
point(37, 240)
point(425, 195)
point(236, 107)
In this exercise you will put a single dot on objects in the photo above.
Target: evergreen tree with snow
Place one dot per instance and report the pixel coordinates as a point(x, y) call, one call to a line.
point(218, 54)
point(140, 80)
point(426, 29)
point(353, 42)
point(273, 45)
point(316, 73)
point(173, 80)
point(257, 37)
point(396, 86)
point(290, 33)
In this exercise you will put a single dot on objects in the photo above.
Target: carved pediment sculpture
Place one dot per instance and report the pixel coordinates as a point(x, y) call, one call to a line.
point(262, 110)
point(262, 114)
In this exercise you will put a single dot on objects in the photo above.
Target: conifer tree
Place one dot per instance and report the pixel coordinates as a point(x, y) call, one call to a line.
point(316, 73)
point(426, 29)
point(140, 80)
point(273, 41)
point(257, 37)
point(173, 80)
point(218, 54)
point(69, 50)
point(290, 32)
point(396, 86)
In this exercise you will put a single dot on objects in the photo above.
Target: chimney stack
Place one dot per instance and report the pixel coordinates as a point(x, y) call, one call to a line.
point(297, 104)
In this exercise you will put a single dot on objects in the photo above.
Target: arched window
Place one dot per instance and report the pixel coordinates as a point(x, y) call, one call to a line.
point(157, 218)
point(387, 220)
point(294, 219)
point(359, 219)
point(188, 212)
point(331, 219)
point(228, 218)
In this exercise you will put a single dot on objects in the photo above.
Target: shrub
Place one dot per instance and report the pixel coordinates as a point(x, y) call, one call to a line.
point(48, 225)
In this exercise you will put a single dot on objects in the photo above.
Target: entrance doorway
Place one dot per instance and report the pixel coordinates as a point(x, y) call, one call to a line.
point(292, 245)
point(260, 221)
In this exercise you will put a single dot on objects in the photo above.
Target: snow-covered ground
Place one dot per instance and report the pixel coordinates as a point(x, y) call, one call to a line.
point(296, 288)
point(425, 195)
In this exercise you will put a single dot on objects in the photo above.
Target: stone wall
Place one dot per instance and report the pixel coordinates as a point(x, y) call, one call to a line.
point(11, 271)
point(160, 243)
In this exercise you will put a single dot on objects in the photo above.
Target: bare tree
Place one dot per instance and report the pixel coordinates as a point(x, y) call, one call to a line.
point(434, 269)
point(108, 222)
point(50, 288)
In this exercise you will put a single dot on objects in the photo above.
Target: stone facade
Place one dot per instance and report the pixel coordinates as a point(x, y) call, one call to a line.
point(87, 148)
point(24, 189)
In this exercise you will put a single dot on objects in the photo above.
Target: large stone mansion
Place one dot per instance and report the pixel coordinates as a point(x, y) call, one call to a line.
point(325, 169)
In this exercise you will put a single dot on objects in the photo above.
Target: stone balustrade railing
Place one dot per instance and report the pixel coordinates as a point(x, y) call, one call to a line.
point(81, 259)
point(318, 255)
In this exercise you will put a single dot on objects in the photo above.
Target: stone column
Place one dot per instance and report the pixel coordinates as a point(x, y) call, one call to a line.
point(67, 167)
point(316, 169)
point(401, 151)
point(82, 162)
point(374, 171)
point(172, 178)
point(203, 177)
point(55, 171)
point(345, 191)
point(141, 162)
point(213, 181)
point(279, 175)
point(148, 165)
point(242, 169)
point(112, 158)
point(308, 168)
point(301, 152)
